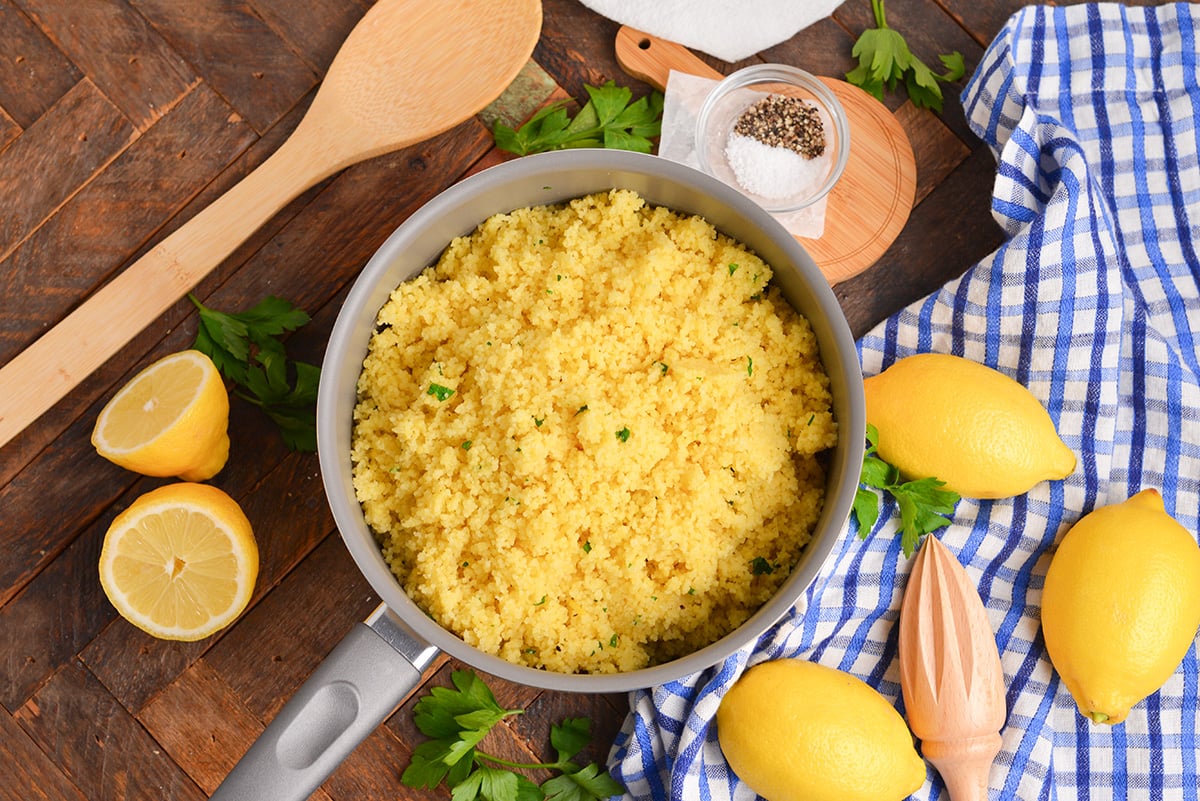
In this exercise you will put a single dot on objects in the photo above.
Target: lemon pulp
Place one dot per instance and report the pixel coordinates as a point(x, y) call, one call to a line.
point(181, 562)
point(171, 419)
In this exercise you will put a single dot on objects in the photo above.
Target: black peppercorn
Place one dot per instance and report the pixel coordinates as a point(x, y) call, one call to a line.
point(781, 121)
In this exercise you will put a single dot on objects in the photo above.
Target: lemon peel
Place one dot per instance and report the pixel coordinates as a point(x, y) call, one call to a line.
point(968, 425)
point(1121, 604)
point(799, 731)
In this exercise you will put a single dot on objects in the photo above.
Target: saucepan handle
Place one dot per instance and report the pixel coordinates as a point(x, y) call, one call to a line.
point(362, 681)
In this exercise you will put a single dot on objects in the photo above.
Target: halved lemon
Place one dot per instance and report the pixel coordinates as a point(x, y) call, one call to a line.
point(180, 563)
point(171, 419)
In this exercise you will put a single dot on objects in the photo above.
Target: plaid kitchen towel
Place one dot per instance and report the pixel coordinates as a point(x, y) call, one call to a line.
point(1091, 302)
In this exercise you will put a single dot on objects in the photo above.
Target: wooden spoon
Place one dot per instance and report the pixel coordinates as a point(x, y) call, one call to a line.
point(409, 70)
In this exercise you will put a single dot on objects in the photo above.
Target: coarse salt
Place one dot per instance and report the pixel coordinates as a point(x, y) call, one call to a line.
point(773, 172)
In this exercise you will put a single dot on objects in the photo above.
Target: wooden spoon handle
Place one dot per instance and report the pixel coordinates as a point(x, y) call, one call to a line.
point(43, 373)
point(408, 70)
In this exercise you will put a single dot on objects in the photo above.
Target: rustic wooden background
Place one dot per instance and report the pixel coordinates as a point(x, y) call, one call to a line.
point(119, 119)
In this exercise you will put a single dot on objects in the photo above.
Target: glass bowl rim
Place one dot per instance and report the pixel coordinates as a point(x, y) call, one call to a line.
point(779, 73)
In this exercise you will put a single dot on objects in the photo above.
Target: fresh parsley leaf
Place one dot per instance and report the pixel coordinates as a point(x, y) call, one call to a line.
point(527, 790)
point(481, 719)
point(607, 119)
point(866, 509)
point(246, 349)
point(570, 737)
point(468, 789)
point(923, 504)
point(876, 472)
point(426, 768)
point(489, 784)
point(585, 784)
point(538, 133)
point(954, 64)
point(463, 748)
point(884, 60)
point(273, 316)
point(474, 689)
point(761, 567)
point(460, 770)
point(457, 719)
point(437, 714)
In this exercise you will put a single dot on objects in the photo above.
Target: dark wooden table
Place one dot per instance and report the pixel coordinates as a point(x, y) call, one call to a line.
point(119, 120)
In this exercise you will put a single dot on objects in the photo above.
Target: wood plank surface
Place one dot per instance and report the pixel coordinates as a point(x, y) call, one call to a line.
point(34, 73)
point(119, 121)
point(234, 52)
point(82, 122)
point(102, 217)
point(120, 51)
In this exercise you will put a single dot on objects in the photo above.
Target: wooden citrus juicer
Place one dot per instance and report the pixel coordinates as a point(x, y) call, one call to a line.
point(950, 672)
point(409, 70)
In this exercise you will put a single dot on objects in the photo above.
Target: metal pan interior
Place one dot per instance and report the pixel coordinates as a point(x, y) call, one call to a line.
point(552, 178)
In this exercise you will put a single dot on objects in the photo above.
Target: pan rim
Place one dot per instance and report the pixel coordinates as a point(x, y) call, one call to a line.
point(556, 176)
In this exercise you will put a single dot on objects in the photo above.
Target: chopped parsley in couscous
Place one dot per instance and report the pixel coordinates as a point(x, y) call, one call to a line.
point(587, 438)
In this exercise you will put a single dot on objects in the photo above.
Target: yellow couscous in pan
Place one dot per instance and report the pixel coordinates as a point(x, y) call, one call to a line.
point(573, 436)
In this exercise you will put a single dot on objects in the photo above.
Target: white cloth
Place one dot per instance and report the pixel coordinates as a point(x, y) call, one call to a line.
point(731, 30)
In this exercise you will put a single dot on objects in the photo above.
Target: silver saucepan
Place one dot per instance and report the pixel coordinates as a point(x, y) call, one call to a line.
point(367, 676)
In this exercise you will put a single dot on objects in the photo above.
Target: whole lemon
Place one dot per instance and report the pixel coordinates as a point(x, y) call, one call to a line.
point(974, 428)
point(1121, 604)
point(799, 731)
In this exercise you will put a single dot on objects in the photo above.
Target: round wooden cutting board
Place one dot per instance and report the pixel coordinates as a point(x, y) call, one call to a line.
point(873, 198)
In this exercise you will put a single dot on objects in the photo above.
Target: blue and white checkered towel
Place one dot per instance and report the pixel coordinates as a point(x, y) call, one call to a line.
point(1092, 302)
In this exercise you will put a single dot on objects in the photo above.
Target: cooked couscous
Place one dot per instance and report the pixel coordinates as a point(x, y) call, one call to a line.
point(587, 438)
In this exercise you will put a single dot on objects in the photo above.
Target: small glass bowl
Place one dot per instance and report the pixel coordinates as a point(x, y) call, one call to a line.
point(742, 89)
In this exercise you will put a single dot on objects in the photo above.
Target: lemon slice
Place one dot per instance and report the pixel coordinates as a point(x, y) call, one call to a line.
point(171, 419)
point(180, 563)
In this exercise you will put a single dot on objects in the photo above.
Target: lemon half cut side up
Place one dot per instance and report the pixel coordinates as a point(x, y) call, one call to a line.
point(181, 562)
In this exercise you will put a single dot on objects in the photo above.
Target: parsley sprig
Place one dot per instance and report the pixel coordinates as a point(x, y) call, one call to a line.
point(608, 119)
point(246, 348)
point(884, 60)
point(923, 504)
point(456, 721)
